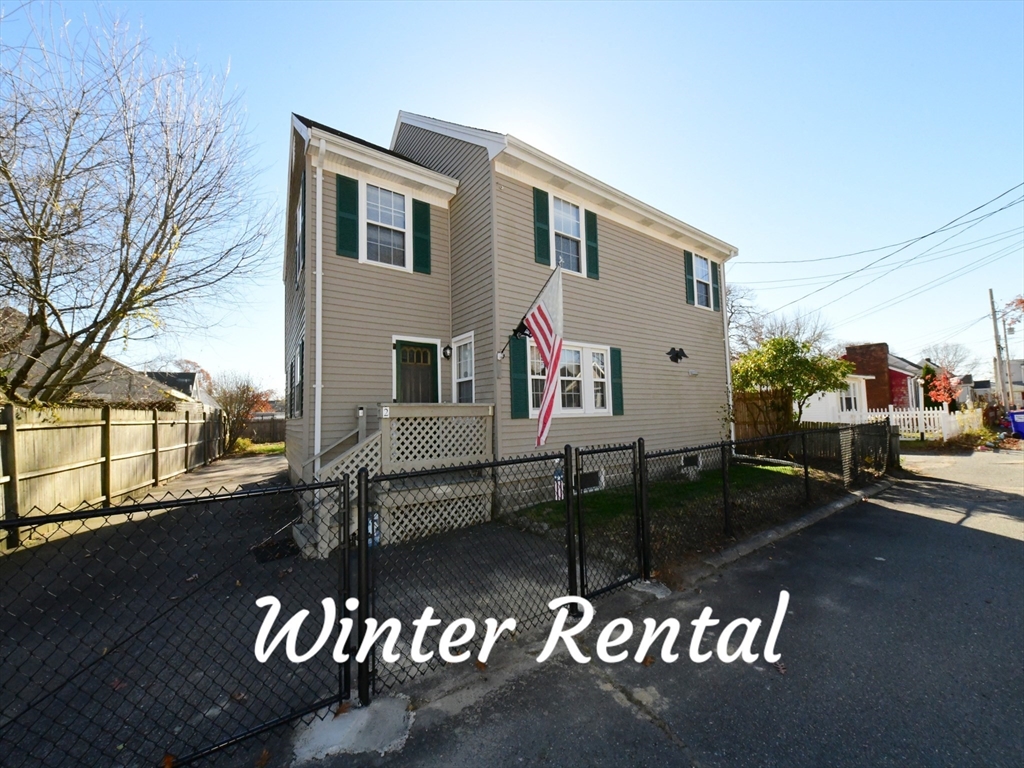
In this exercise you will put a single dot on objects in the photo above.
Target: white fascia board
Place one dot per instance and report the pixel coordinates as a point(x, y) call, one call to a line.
point(301, 129)
point(494, 143)
point(522, 159)
point(369, 160)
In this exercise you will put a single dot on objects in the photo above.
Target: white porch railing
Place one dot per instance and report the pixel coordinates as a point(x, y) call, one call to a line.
point(410, 437)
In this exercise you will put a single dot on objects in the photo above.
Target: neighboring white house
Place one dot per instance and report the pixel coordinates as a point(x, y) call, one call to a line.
point(845, 405)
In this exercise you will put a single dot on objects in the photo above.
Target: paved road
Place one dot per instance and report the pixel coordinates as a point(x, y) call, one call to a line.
point(903, 645)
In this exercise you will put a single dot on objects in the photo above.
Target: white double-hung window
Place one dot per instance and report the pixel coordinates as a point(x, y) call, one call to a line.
point(583, 386)
point(702, 280)
point(462, 362)
point(568, 234)
point(385, 226)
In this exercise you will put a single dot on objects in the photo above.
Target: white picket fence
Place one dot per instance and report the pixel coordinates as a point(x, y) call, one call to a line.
point(933, 423)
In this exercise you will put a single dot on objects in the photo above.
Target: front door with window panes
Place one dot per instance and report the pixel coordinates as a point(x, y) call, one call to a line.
point(416, 372)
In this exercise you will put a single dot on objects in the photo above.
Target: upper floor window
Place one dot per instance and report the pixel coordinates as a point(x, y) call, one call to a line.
point(702, 280)
point(385, 226)
point(300, 228)
point(568, 235)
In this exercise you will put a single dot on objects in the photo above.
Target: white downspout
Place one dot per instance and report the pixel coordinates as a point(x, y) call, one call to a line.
point(318, 365)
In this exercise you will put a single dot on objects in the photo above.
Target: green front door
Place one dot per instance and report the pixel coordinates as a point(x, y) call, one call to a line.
point(416, 366)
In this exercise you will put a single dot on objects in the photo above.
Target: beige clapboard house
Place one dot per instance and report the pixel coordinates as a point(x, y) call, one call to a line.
point(407, 269)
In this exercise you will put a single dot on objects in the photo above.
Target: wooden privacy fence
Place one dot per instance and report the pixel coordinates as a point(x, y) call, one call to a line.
point(71, 457)
point(264, 430)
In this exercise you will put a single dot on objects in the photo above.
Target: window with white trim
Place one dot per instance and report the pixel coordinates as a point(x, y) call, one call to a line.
point(848, 398)
point(568, 235)
point(702, 280)
point(295, 380)
point(462, 359)
point(583, 380)
point(300, 228)
point(385, 226)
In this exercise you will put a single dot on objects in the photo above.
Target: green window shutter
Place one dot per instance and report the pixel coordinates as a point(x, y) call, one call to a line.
point(541, 231)
point(690, 291)
point(590, 222)
point(347, 229)
point(519, 378)
point(716, 301)
point(421, 237)
point(617, 409)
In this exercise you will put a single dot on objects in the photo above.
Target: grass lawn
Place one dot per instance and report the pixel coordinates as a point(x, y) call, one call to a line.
point(605, 506)
point(246, 448)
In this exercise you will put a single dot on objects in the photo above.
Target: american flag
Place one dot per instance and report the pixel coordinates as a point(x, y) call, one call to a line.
point(544, 321)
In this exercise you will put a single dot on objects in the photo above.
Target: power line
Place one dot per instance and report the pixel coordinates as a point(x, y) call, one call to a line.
point(902, 248)
point(1002, 253)
point(741, 262)
point(807, 282)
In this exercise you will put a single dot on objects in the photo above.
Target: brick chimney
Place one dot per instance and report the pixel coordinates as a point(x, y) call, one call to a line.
point(872, 360)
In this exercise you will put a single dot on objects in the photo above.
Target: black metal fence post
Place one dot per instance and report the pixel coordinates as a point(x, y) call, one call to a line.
point(854, 470)
point(344, 521)
point(362, 539)
point(807, 472)
point(577, 485)
point(570, 527)
point(725, 489)
point(645, 522)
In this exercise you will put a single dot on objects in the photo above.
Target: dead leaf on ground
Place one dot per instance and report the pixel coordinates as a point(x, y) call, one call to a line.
point(281, 574)
point(648, 660)
point(480, 665)
point(169, 760)
point(263, 759)
point(239, 696)
point(193, 577)
point(238, 582)
point(780, 667)
point(343, 708)
point(118, 684)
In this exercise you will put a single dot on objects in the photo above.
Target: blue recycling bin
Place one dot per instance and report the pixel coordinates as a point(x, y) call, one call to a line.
point(1017, 423)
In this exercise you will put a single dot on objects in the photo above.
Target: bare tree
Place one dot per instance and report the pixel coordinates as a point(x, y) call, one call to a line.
point(750, 325)
point(126, 199)
point(956, 359)
point(239, 397)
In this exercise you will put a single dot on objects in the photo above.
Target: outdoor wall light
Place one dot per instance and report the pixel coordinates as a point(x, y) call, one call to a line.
point(447, 351)
point(675, 355)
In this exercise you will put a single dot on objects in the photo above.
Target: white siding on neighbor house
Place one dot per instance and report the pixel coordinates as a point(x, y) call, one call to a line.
point(637, 304)
point(472, 289)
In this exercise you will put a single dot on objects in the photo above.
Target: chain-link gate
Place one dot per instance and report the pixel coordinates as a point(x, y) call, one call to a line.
point(608, 518)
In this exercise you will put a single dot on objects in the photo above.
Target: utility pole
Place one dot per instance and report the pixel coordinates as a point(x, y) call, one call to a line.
point(1009, 361)
point(999, 351)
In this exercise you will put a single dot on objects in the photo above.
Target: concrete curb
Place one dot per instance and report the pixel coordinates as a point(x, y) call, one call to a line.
point(711, 564)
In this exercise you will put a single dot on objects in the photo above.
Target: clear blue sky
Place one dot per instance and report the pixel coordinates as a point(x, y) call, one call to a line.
point(794, 131)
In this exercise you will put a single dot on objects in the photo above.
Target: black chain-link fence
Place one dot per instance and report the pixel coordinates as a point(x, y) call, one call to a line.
point(470, 542)
point(129, 632)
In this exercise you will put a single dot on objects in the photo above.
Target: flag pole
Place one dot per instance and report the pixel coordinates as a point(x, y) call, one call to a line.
point(521, 329)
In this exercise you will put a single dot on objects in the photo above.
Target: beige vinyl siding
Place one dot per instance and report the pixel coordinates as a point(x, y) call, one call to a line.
point(364, 304)
point(639, 304)
point(472, 296)
point(298, 434)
